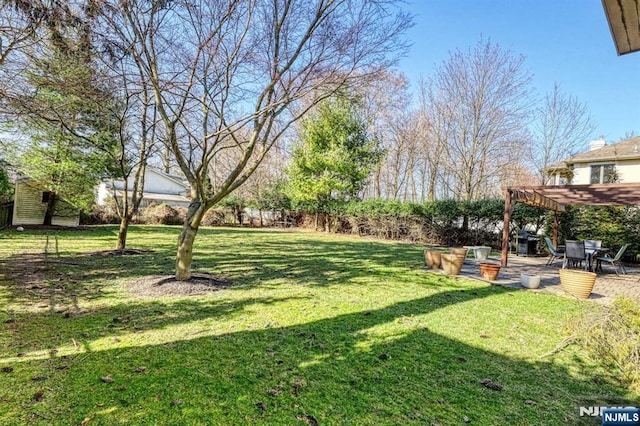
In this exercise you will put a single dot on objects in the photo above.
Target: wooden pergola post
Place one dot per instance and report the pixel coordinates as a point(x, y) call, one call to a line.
point(555, 228)
point(505, 229)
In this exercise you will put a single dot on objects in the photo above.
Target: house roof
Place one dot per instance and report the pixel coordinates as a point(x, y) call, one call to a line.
point(628, 149)
point(624, 23)
point(180, 180)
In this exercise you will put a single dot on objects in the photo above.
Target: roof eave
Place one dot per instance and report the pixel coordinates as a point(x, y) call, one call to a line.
point(622, 16)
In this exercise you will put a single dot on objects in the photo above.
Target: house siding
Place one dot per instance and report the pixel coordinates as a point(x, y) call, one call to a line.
point(156, 183)
point(28, 208)
point(158, 189)
point(628, 171)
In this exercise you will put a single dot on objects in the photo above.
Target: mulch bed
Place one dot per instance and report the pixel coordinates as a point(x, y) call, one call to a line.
point(167, 285)
point(125, 252)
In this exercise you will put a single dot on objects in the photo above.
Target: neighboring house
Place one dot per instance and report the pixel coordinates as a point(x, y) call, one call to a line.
point(30, 206)
point(159, 188)
point(615, 163)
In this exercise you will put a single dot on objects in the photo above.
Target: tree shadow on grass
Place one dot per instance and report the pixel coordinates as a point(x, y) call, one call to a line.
point(29, 334)
point(309, 261)
point(384, 366)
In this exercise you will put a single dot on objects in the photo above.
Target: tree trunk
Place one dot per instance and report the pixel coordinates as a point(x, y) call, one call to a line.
point(184, 256)
point(122, 233)
point(465, 222)
point(239, 215)
point(166, 159)
point(51, 208)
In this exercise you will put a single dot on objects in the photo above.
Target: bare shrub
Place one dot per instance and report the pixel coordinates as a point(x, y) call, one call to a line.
point(217, 217)
point(612, 336)
point(100, 215)
point(161, 214)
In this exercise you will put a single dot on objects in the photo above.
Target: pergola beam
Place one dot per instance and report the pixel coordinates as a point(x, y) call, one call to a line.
point(535, 198)
point(610, 194)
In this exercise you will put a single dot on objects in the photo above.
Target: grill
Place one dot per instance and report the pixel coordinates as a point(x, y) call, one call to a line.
point(526, 243)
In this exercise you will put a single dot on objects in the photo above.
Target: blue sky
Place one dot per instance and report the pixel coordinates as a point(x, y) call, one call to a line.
point(564, 41)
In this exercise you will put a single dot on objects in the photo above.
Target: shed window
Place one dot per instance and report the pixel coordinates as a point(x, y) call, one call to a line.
point(45, 196)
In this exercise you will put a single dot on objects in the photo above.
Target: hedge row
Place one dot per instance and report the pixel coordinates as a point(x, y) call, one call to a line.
point(446, 222)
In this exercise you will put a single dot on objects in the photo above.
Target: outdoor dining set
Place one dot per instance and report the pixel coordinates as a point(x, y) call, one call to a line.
point(586, 254)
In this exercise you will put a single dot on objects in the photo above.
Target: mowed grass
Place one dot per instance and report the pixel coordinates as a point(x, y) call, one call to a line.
point(313, 329)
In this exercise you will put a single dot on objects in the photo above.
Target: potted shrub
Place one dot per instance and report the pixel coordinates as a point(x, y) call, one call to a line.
point(432, 258)
point(577, 282)
point(489, 270)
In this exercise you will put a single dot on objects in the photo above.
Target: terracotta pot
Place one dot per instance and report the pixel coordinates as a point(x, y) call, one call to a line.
point(489, 271)
point(577, 283)
point(452, 263)
point(530, 281)
point(432, 258)
point(458, 250)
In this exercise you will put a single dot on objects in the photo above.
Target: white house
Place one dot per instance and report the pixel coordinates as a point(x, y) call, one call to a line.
point(30, 206)
point(615, 163)
point(159, 188)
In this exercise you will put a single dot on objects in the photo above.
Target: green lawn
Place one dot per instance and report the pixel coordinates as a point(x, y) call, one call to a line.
point(313, 329)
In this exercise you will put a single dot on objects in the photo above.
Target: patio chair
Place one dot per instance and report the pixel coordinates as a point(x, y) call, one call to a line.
point(554, 254)
point(615, 261)
point(574, 254)
point(593, 245)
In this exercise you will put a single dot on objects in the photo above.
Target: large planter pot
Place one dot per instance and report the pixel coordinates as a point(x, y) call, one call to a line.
point(433, 258)
point(452, 263)
point(489, 271)
point(482, 252)
point(577, 283)
point(459, 250)
point(530, 281)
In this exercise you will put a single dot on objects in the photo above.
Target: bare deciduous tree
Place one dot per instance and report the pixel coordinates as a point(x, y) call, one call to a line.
point(563, 124)
point(480, 103)
point(227, 75)
point(16, 30)
point(387, 104)
point(19, 25)
point(433, 114)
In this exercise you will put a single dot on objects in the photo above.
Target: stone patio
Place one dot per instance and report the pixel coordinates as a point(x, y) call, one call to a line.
point(608, 284)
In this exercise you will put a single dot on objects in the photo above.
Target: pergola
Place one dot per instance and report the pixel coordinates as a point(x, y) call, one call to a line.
point(555, 198)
